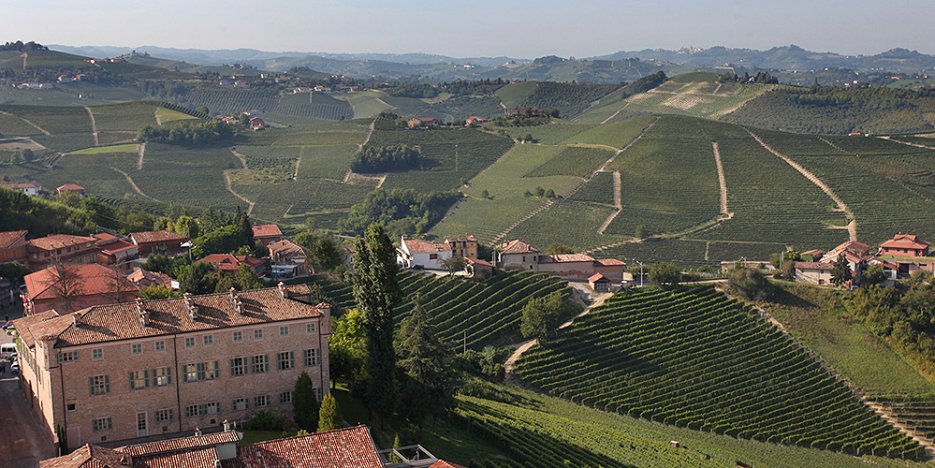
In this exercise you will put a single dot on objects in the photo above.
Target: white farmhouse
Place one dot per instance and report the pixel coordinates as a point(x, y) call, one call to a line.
point(420, 254)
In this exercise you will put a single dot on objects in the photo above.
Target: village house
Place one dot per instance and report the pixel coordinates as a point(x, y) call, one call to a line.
point(62, 248)
point(288, 259)
point(159, 242)
point(856, 254)
point(69, 287)
point(145, 278)
point(478, 268)
point(599, 283)
point(905, 254)
point(124, 371)
point(116, 252)
point(417, 122)
point(517, 255)
point(574, 267)
point(905, 245)
point(266, 233)
point(420, 254)
point(463, 246)
point(474, 120)
point(257, 123)
point(613, 269)
point(13, 246)
point(813, 272)
point(31, 189)
point(70, 188)
point(229, 263)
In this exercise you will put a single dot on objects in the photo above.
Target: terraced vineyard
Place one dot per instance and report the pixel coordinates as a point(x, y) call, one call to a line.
point(916, 413)
point(694, 358)
point(482, 312)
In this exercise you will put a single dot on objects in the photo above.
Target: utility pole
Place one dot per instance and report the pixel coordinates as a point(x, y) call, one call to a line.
point(464, 345)
point(641, 271)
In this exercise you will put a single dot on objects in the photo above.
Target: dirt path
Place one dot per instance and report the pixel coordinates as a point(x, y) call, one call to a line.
point(141, 152)
point(618, 203)
point(717, 89)
point(628, 145)
point(136, 188)
point(93, 126)
point(852, 225)
point(44, 131)
point(539, 209)
point(721, 180)
point(241, 157)
point(25, 56)
point(156, 116)
point(360, 146)
point(908, 143)
point(615, 114)
point(298, 162)
point(510, 363)
point(227, 185)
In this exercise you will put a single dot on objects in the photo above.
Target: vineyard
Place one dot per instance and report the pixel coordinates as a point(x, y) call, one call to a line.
point(573, 161)
point(463, 311)
point(694, 358)
point(235, 101)
point(916, 413)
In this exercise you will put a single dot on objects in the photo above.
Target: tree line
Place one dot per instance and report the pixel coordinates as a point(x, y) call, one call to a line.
point(373, 159)
point(187, 133)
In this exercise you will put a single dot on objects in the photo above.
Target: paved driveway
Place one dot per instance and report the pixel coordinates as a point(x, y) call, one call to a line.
point(22, 440)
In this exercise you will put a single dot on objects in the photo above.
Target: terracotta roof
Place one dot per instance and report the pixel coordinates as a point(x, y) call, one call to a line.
point(853, 251)
point(285, 246)
point(112, 244)
point(814, 266)
point(182, 443)
point(814, 252)
point(266, 230)
point(517, 247)
point(170, 316)
point(58, 241)
point(444, 464)
point(89, 280)
point(565, 258)
point(905, 241)
point(147, 237)
point(29, 330)
point(15, 186)
point(70, 187)
point(477, 261)
point(230, 262)
point(351, 446)
point(88, 456)
point(422, 246)
point(195, 458)
point(140, 275)
point(611, 262)
point(597, 277)
point(7, 238)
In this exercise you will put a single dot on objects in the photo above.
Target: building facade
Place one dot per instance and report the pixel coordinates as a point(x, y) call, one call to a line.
point(64, 248)
point(124, 371)
point(13, 246)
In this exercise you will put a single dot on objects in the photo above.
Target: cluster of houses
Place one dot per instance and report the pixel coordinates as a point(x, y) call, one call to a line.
point(254, 122)
point(73, 272)
point(899, 257)
point(34, 189)
point(601, 274)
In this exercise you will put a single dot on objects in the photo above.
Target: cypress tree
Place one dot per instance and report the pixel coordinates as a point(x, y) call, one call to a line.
point(424, 359)
point(329, 417)
point(305, 404)
point(376, 292)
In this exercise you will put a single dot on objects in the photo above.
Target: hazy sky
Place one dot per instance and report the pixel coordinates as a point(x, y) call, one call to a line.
point(476, 27)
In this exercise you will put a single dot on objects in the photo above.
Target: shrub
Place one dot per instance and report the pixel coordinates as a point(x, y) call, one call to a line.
point(266, 421)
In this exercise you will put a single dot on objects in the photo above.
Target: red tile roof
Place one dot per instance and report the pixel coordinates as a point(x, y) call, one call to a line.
point(182, 443)
point(88, 456)
point(477, 261)
point(283, 247)
point(517, 247)
point(8, 238)
point(89, 280)
point(58, 241)
point(193, 458)
point(230, 262)
point(422, 246)
point(611, 262)
point(147, 237)
point(171, 316)
point(906, 241)
point(597, 277)
point(349, 447)
point(853, 251)
point(70, 188)
point(143, 277)
point(566, 258)
point(266, 230)
point(444, 464)
point(814, 266)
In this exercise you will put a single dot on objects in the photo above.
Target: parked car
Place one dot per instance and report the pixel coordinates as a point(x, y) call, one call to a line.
point(14, 368)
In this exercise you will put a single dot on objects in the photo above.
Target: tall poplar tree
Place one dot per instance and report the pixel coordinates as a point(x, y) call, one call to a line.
point(376, 292)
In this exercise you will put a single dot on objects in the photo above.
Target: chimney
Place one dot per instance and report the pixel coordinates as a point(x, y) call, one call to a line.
point(76, 319)
point(238, 306)
point(233, 295)
point(197, 431)
point(283, 293)
point(142, 312)
point(190, 305)
point(324, 325)
point(227, 426)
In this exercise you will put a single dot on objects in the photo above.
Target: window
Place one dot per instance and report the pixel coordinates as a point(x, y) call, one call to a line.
point(162, 376)
point(99, 384)
point(240, 404)
point(310, 357)
point(160, 346)
point(191, 411)
point(259, 364)
point(71, 356)
point(310, 328)
point(191, 372)
point(139, 379)
point(190, 342)
point(164, 415)
point(285, 360)
point(97, 354)
point(433, 256)
point(202, 371)
point(285, 397)
point(261, 401)
point(238, 336)
point(136, 348)
point(284, 331)
point(238, 366)
point(258, 334)
point(208, 408)
point(208, 340)
point(71, 407)
point(102, 424)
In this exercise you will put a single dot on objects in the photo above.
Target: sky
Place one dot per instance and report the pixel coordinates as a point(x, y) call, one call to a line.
point(521, 28)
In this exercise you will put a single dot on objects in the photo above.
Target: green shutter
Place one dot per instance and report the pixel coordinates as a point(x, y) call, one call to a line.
point(132, 386)
point(146, 378)
point(91, 385)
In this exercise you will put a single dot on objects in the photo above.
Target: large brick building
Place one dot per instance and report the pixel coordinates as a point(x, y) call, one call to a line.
point(63, 248)
point(123, 371)
point(70, 287)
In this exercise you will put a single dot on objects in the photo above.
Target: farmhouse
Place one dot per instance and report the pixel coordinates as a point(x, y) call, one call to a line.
point(463, 246)
point(266, 233)
point(32, 189)
point(69, 287)
point(62, 248)
point(517, 255)
point(474, 120)
point(575, 267)
point(70, 188)
point(813, 272)
point(13, 246)
point(478, 268)
point(288, 259)
point(417, 122)
point(257, 123)
point(122, 371)
point(420, 254)
point(599, 283)
point(906, 245)
point(158, 242)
